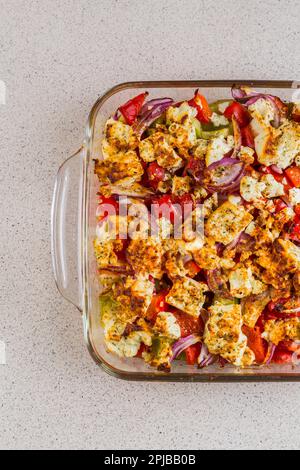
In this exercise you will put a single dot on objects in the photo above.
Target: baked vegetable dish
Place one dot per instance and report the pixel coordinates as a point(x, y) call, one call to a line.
point(198, 230)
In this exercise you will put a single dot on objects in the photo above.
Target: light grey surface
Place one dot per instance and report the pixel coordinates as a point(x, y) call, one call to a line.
point(56, 58)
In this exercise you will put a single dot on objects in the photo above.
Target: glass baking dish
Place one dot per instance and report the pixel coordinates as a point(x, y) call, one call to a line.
point(74, 223)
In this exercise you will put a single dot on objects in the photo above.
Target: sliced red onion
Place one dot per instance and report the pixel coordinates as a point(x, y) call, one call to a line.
point(270, 353)
point(230, 177)
point(204, 315)
point(116, 115)
point(239, 93)
point(149, 105)
point(195, 167)
point(187, 258)
point(151, 110)
point(184, 343)
point(206, 358)
point(222, 361)
point(119, 269)
point(234, 242)
point(245, 242)
point(216, 284)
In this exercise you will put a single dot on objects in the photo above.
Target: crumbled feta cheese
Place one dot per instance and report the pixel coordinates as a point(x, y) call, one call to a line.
point(246, 155)
point(272, 187)
point(251, 189)
point(201, 149)
point(217, 148)
point(237, 200)
point(219, 120)
point(294, 196)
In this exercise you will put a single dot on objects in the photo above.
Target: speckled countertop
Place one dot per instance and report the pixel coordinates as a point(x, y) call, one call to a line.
point(56, 58)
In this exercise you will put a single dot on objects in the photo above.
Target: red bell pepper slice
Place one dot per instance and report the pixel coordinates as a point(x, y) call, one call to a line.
point(248, 137)
point(105, 204)
point(166, 207)
point(294, 230)
point(297, 210)
point(279, 205)
point(158, 304)
point(296, 116)
point(192, 353)
point(293, 174)
point(282, 356)
point(256, 343)
point(204, 113)
point(239, 112)
point(280, 178)
point(188, 325)
point(131, 109)
point(143, 348)
point(192, 268)
point(187, 204)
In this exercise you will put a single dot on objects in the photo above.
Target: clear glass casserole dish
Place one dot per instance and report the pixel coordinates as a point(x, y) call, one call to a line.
point(73, 227)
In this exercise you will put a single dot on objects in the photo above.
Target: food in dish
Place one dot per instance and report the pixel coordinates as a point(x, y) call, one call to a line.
point(227, 291)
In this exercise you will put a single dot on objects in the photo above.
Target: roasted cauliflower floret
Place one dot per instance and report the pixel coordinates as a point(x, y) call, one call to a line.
point(119, 168)
point(223, 333)
point(227, 222)
point(183, 136)
point(120, 135)
point(174, 264)
point(169, 159)
point(126, 346)
point(181, 185)
point(207, 257)
point(134, 297)
point(276, 331)
point(287, 256)
point(187, 295)
point(253, 306)
point(182, 114)
point(146, 149)
point(160, 354)
point(145, 257)
point(105, 252)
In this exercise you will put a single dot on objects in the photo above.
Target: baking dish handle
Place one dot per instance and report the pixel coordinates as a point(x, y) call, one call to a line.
point(66, 227)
